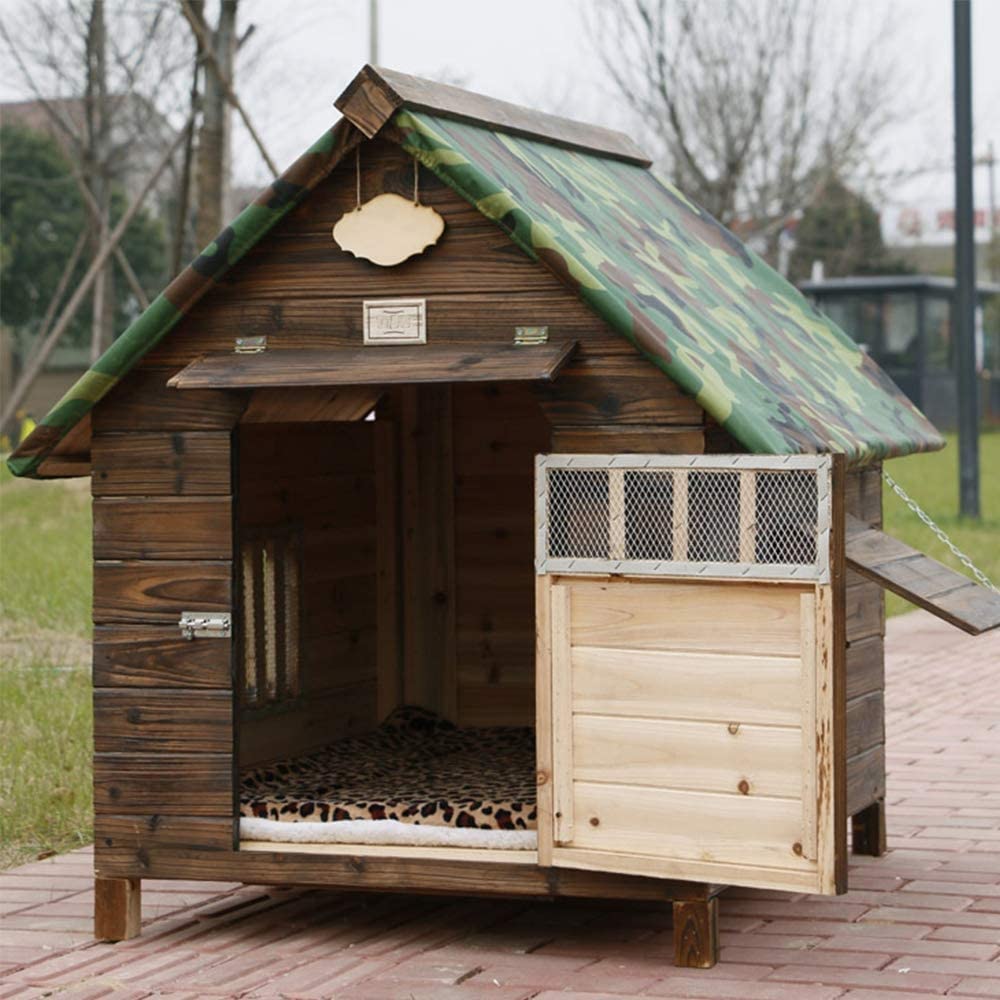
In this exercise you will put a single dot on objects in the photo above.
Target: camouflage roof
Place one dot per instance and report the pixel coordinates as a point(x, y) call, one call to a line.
point(726, 327)
point(706, 310)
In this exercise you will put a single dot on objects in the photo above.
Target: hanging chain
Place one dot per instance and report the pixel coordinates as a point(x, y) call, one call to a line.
point(926, 518)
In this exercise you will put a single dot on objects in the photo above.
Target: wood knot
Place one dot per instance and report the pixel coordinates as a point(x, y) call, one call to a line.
point(594, 821)
point(541, 778)
point(134, 716)
point(733, 727)
point(744, 787)
point(797, 849)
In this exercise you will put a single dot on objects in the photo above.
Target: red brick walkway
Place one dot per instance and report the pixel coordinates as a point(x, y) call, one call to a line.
point(923, 921)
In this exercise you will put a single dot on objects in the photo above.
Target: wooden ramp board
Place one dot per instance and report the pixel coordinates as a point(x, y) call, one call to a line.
point(381, 365)
point(920, 579)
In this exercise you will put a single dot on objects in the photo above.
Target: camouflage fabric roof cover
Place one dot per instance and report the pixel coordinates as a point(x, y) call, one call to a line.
point(779, 376)
point(685, 291)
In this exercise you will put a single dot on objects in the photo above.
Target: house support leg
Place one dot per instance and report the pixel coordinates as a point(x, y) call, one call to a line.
point(696, 933)
point(868, 834)
point(116, 908)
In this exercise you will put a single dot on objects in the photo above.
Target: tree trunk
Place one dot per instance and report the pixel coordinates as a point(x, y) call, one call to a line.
point(96, 176)
point(215, 133)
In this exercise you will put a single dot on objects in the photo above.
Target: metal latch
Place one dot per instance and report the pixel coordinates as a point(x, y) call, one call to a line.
point(206, 624)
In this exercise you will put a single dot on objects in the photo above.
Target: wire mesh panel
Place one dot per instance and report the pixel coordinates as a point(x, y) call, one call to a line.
point(749, 516)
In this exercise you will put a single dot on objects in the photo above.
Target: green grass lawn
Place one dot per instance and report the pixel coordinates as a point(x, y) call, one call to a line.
point(45, 704)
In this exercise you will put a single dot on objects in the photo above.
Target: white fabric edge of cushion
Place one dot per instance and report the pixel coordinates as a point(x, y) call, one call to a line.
point(385, 831)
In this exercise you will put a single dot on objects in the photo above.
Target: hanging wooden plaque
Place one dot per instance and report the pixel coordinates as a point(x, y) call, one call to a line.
point(388, 230)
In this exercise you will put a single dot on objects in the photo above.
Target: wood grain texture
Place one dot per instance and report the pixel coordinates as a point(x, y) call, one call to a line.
point(142, 402)
point(304, 405)
point(150, 720)
point(163, 528)
point(696, 933)
point(161, 464)
point(865, 778)
point(694, 755)
point(864, 608)
point(619, 390)
point(376, 93)
point(761, 690)
point(427, 529)
point(359, 872)
point(760, 619)
point(159, 656)
point(194, 833)
point(865, 664)
point(616, 439)
point(382, 365)
point(117, 909)
point(865, 723)
point(832, 602)
point(158, 591)
point(165, 784)
point(497, 431)
point(543, 719)
point(328, 315)
point(929, 584)
point(863, 494)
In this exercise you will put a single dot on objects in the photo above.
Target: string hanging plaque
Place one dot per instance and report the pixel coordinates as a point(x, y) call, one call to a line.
point(388, 229)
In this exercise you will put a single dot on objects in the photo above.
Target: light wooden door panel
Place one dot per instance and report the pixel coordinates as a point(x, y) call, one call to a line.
point(684, 741)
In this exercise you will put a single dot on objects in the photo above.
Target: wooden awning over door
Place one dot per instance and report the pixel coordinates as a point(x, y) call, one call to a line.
point(381, 365)
point(921, 579)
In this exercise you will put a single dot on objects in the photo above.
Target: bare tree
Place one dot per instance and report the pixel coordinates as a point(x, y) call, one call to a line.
point(752, 104)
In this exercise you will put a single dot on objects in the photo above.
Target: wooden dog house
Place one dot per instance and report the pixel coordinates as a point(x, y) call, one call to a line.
point(552, 535)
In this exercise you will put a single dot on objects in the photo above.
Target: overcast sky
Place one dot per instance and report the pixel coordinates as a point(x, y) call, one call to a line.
point(538, 52)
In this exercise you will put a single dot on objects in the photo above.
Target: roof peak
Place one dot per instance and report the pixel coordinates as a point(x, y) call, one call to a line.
point(377, 93)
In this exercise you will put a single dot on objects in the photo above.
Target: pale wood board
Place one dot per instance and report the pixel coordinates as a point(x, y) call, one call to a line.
point(762, 690)
point(562, 715)
point(543, 718)
point(759, 618)
point(692, 756)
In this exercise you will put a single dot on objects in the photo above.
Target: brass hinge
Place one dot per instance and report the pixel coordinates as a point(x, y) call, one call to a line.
point(526, 336)
point(250, 345)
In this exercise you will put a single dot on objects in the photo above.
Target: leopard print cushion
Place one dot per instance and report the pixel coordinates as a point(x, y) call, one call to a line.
point(415, 768)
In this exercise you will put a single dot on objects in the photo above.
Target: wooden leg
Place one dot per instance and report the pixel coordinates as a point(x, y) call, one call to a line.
point(696, 933)
point(868, 834)
point(116, 908)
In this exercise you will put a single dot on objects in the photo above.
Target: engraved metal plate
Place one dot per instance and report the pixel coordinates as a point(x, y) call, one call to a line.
point(395, 321)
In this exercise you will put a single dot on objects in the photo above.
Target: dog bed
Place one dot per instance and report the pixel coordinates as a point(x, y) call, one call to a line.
point(416, 780)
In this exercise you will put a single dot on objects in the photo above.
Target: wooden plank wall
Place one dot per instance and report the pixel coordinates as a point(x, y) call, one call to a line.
point(321, 476)
point(163, 706)
point(498, 430)
point(865, 656)
point(301, 291)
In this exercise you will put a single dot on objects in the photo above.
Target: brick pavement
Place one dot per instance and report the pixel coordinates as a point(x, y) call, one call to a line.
point(923, 921)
